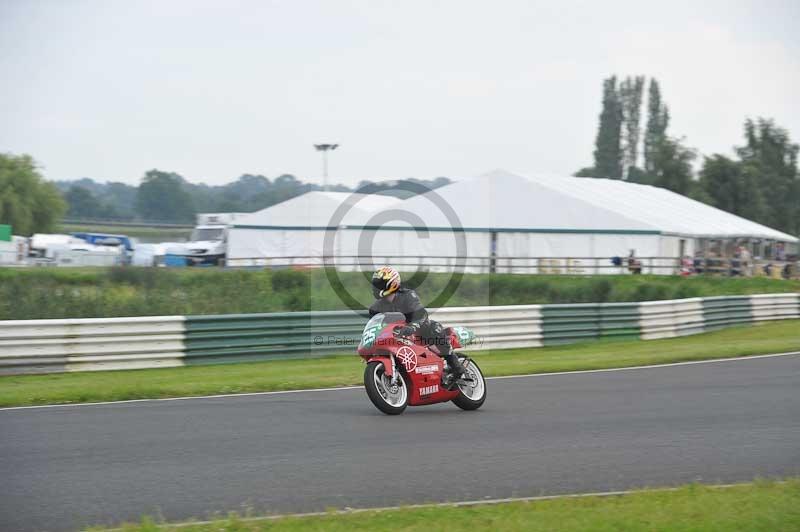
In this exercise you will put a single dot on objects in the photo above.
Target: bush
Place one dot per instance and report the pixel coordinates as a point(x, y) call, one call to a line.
point(293, 289)
point(79, 293)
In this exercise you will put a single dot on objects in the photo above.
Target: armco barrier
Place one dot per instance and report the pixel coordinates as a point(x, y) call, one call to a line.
point(49, 346)
point(667, 319)
point(570, 323)
point(498, 327)
point(775, 306)
point(719, 312)
point(241, 337)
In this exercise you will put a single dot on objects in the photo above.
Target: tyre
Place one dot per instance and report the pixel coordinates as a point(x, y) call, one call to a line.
point(388, 399)
point(471, 395)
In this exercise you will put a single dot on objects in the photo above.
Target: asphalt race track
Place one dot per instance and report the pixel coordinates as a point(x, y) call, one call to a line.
point(64, 468)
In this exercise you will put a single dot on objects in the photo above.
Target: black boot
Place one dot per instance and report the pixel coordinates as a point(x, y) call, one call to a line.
point(457, 370)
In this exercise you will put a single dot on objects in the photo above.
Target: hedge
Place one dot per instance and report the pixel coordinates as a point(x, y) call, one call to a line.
point(78, 293)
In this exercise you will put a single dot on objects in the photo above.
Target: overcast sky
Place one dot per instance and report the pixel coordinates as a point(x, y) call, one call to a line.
point(215, 89)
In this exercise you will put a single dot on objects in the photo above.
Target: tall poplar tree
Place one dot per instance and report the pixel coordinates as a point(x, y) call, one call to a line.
point(630, 92)
point(657, 123)
point(608, 146)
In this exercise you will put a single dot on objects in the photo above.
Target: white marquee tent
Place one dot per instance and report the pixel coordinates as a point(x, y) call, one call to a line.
point(514, 222)
point(296, 228)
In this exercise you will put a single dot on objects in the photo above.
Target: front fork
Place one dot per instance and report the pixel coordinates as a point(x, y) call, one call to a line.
point(394, 369)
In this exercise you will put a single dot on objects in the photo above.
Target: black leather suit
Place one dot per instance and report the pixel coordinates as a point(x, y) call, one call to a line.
point(432, 332)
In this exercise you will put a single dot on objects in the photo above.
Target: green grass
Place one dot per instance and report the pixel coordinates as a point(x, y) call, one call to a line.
point(42, 293)
point(347, 369)
point(761, 506)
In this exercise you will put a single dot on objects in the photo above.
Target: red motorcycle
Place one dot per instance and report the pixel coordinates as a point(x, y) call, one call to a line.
point(404, 371)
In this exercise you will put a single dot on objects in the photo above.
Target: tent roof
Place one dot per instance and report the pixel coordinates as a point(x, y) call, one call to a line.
point(670, 212)
point(315, 209)
point(505, 201)
point(502, 200)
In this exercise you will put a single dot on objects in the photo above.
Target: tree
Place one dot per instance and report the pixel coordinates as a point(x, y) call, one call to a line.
point(587, 171)
point(672, 165)
point(83, 204)
point(608, 149)
point(162, 197)
point(109, 200)
point(120, 199)
point(27, 202)
point(770, 158)
point(698, 193)
point(637, 175)
point(731, 187)
point(657, 122)
point(630, 95)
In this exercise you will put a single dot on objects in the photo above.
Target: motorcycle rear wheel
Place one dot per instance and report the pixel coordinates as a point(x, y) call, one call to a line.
point(471, 397)
point(389, 400)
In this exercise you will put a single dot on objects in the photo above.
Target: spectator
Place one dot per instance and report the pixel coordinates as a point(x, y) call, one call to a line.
point(686, 266)
point(735, 264)
point(780, 251)
point(698, 262)
point(634, 264)
point(746, 261)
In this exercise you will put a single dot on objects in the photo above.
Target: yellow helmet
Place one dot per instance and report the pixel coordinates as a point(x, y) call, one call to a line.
point(385, 281)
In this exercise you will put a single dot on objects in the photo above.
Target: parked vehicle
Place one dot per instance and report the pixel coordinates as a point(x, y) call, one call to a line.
point(404, 371)
point(209, 241)
point(123, 242)
point(67, 250)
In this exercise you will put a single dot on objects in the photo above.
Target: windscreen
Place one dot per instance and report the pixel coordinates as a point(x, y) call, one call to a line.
point(207, 234)
point(376, 324)
point(372, 329)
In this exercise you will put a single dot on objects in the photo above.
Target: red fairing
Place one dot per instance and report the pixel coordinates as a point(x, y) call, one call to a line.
point(386, 360)
point(422, 366)
point(404, 371)
point(424, 369)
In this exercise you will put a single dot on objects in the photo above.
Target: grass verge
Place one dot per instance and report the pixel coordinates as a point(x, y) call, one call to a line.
point(762, 505)
point(346, 370)
point(53, 293)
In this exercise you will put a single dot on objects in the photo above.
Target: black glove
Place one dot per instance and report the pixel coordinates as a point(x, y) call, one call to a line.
point(406, 330)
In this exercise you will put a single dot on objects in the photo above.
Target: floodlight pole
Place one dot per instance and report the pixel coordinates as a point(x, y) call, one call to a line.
point(325, 148)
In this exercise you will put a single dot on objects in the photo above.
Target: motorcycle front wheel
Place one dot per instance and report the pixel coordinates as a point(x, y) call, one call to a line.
point(471, 395)
point(388, 398)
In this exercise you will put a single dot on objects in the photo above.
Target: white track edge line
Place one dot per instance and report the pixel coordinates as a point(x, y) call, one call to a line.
point(250, 394)
point(456, 504)
point(184, 398)
point(650, 366)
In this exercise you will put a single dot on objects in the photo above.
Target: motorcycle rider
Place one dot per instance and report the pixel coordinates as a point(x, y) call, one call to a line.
point(392, 297)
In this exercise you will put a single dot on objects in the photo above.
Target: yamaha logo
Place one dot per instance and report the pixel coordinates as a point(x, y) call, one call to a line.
point(407, 357)
point(427, 390)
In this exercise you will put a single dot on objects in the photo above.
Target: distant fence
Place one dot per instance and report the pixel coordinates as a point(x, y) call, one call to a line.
point(542, 265)
point(474, 264)
point(534, 265)
point(50, 346)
